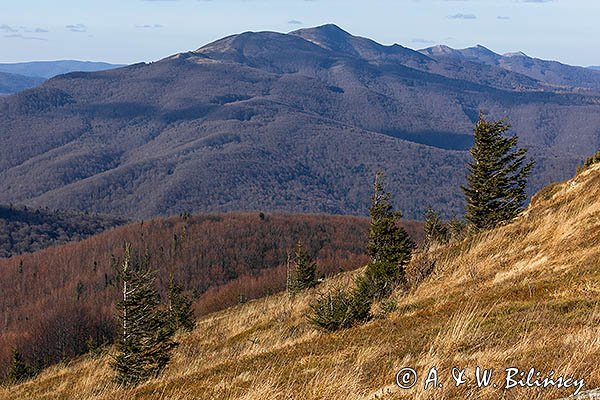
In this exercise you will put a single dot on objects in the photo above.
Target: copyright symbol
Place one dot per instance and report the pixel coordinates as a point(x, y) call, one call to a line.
point(406, 378)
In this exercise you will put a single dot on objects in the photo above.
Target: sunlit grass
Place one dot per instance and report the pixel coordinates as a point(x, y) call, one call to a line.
point(524, 295)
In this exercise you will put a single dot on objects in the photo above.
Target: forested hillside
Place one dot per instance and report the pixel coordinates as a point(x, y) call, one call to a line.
point(267, 121)
point(12, 83)
point(25, 230)
point(523, 295)
point(58, 302)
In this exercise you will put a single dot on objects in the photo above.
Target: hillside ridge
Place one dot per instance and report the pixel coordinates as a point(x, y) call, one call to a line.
point(58, 299)
point(24, 230)
point(265, 121)
point(523, 295)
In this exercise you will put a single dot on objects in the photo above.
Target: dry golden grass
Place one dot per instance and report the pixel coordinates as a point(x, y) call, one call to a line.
point(524, 295)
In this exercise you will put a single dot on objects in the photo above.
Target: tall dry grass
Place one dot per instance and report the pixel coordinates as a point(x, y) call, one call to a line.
point(525, 295)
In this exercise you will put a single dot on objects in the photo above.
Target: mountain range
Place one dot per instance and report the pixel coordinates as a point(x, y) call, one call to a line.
point(12, 83)
point(551, 72)
point(294, 122)
point(15, 77)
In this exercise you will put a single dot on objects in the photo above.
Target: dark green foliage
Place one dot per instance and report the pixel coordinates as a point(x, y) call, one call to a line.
point(18, 370)
point(590, 161)
point(457, 229)
point(79, 290)
point(93, 348)
point(144, 342)
point(435, 230)
point(379, 279)
point(339, 309)
point(388, 306)
point(304, 271)
point(331, 310)
point(361, 300)
point(497, 176)
point(388, 246)
point(181, 315)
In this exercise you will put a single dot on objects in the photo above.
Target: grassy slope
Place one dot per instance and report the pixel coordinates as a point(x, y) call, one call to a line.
point(525, 295)
point(54, 300)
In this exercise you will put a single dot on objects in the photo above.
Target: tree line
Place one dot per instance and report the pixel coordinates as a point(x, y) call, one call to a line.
point(59, 303)
point(495, 193)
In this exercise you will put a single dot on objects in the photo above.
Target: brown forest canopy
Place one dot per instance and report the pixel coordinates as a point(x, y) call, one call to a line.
point(55, 300)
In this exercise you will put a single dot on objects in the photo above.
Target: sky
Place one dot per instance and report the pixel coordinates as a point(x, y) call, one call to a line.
point(128, 31)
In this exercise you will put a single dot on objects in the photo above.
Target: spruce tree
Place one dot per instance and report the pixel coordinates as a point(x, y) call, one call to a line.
point(144, 339)
point(18, 371)
point(592, 160)
point(304, 273)
point(497, 175)
point(435, 230)
point(181, 315)
point(388, 246)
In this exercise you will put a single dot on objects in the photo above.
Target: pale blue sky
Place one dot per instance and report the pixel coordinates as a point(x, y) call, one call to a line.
point(127, 31)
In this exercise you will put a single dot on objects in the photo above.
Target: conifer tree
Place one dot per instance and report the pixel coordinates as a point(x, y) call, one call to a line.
point(304, 273)
point(592, 160)
point(389, 246)
point(144, 341)
point(18, 371)
point(497, 175)
point(435, 230)
point(181, 315)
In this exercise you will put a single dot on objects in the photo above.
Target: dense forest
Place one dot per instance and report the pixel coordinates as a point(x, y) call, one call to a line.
point(25, 230)
point(293, 122)
point(59, 302)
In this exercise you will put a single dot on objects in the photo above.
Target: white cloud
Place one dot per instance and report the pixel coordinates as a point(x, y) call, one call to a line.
point(463, 16)
point(149, 26)
point(77, 28)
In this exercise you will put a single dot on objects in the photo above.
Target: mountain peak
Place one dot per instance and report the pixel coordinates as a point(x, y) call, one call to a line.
point(251, 47)
point(481, 50)
point(443, 48)
point(328, 36)
point(482, 47)
point(469, 53)
point(439, 49)
point(330, 29)
point(515, 54)
point(332, 37)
